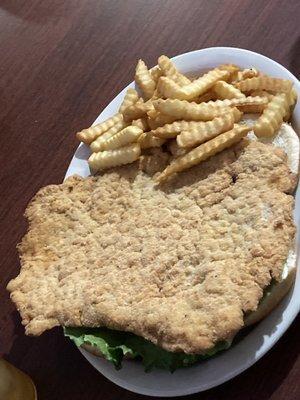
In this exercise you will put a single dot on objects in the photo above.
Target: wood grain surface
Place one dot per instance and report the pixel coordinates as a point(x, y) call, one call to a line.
point(61, 62)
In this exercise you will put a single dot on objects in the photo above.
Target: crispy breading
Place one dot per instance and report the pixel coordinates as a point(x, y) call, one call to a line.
point(178, 265)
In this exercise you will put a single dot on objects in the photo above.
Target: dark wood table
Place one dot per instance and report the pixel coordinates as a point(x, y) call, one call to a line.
point(61, 62)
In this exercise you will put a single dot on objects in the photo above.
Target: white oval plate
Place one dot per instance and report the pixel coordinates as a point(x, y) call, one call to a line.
point(241, 356)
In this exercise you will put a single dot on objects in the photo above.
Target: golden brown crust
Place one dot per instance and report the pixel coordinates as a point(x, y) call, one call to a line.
point(178, 265)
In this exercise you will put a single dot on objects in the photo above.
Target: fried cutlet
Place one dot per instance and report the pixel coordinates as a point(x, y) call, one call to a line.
point(179, 264)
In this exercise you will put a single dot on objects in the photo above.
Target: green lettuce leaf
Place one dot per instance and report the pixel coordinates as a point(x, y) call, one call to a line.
point(114, 345)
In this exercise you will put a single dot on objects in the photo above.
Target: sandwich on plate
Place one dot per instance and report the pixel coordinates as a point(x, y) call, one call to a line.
point(183, 235)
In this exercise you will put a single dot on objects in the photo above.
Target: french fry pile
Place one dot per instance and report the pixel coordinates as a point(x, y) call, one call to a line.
point(193, 119)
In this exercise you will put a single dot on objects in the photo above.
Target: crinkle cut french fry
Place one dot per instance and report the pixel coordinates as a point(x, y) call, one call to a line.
point(169, 70)
point(231, 68)
point(156, 73)
point(243, 101)
point(292, 100)
point(246, 73)
point(264, 82)
point(169, 131)
point(292, 97)
point(248, 104)
point(205, 151)
point(159, 119)
point(226, 91)
point(97, 144)
point(137, 110)
point(148, 140)
point(180, 79)
point(168, 88)
point(131, 97)
point(88, 135)
point(272, 117)
point(140, 123)
point(114, 158)
point(167, 66)
point(155, 96)
point(204, 131)
point(237, 114)
point(128, 135)
point(144, 79)
point(152, 113)
point(182, 109)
